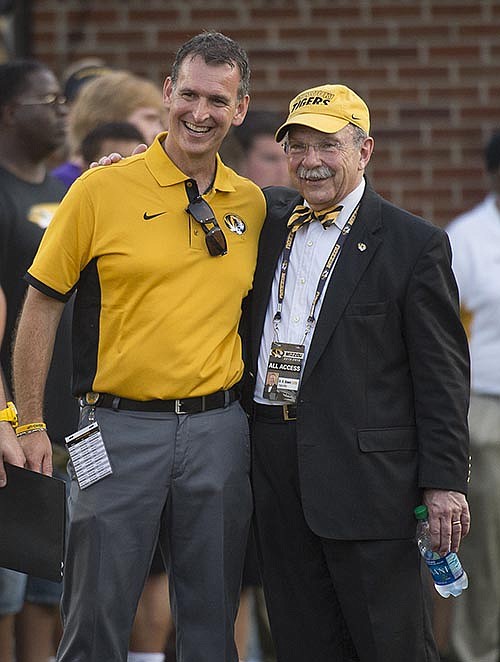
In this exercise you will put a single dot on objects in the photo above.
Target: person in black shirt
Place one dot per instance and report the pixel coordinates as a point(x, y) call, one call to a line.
point(32, 126)
point(10, 450)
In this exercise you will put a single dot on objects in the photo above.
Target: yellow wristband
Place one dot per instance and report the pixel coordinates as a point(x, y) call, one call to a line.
point(30, 427)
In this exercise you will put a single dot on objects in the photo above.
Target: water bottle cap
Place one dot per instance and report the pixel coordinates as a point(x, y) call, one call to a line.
point(421, 512)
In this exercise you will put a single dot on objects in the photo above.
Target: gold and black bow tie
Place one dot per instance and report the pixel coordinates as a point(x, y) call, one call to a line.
point(302, 215)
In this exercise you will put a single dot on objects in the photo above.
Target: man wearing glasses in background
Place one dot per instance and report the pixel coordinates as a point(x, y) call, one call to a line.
point(160, 273)
point(32, 126)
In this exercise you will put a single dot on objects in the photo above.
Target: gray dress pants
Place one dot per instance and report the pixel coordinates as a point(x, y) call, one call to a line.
point(182, 479)
point(475, 630)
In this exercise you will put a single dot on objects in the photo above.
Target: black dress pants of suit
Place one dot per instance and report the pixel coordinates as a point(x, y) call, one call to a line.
point(328, 600)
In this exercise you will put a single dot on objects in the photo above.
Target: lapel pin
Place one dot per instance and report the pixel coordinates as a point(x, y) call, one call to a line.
point(361, 247)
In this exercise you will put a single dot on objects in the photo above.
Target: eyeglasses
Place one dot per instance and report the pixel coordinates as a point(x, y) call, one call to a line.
point(300, 149)
point(215, 240)
point(48, 100)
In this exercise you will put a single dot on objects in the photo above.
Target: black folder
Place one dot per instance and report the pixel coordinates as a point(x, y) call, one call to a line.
point(32, 523)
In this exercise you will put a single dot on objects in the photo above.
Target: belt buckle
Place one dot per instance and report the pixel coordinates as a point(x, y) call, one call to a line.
point(286, 414)
point(179, 404)
point(91, 398)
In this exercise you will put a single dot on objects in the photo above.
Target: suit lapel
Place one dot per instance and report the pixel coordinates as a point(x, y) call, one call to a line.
point(353, 261)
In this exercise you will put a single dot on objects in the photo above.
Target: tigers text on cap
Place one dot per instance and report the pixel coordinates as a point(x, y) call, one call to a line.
point(327, 108)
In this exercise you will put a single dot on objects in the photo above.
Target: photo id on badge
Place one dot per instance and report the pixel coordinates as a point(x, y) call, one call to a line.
point(284, 371)
point(88, 455)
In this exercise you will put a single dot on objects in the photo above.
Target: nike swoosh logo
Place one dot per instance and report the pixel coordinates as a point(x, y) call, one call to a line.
point(355, 118)
point(148, 217)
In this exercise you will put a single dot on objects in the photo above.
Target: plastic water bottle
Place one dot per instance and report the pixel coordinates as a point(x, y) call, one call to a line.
point(447, 573)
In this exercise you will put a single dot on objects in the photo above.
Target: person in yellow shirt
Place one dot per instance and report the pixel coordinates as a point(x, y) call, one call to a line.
point(161, 250)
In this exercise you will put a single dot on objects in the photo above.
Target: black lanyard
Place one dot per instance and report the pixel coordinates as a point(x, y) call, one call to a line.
point(332, 258)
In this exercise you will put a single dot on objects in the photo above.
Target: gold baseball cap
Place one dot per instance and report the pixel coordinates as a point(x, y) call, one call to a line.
point(327, 108)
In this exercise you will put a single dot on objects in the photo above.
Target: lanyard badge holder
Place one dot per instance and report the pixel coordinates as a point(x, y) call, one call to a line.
point(283, 372)
point(285, 365)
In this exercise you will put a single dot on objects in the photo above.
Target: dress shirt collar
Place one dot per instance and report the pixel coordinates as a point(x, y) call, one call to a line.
point(349, 204)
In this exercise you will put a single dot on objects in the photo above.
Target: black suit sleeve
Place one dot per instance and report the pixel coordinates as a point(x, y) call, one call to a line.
point(439, 364)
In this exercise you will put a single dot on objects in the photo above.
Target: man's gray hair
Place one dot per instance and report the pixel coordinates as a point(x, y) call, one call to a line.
point(358, 134)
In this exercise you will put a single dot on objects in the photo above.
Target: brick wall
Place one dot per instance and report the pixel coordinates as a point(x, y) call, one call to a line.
point(429, 70)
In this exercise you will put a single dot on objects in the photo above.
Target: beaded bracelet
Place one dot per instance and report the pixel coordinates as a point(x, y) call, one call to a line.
point(22, 430)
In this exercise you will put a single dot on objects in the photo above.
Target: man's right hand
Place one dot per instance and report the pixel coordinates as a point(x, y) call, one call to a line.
point(38, 452)
point(10, 450)
point(114, 157)
point(36, 333)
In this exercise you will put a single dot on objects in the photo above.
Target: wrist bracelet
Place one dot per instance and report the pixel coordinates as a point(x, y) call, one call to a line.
point(26, 432)
point(21, 430)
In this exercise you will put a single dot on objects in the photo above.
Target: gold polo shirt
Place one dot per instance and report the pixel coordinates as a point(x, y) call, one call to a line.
point(155, 315)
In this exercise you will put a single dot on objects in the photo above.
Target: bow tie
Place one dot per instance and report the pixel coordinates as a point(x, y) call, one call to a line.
point(302, 215)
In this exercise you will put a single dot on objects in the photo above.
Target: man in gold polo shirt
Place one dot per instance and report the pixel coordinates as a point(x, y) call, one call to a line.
point(161, 251)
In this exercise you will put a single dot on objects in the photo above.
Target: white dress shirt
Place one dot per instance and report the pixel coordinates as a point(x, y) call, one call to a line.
point(311, 248)
point(475, 242)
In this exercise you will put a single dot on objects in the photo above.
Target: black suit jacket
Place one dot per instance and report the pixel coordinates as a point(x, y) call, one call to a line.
point(382, 408)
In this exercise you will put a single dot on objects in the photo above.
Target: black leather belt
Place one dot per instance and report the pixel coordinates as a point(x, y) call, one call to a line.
point(180, 406)
point(276, 412)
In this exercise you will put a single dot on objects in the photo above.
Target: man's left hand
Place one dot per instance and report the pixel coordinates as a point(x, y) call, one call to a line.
point(449, 519)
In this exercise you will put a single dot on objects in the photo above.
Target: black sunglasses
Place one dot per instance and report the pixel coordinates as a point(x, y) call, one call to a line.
point(215, 240)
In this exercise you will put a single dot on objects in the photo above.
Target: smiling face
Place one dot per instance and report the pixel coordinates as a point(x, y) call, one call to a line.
point(331, 167)
point(202, 105)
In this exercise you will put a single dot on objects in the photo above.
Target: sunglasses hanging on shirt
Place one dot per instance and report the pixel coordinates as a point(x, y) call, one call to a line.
point(203, 213)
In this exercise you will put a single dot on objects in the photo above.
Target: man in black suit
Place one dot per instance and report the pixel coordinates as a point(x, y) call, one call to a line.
point(358, 315)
